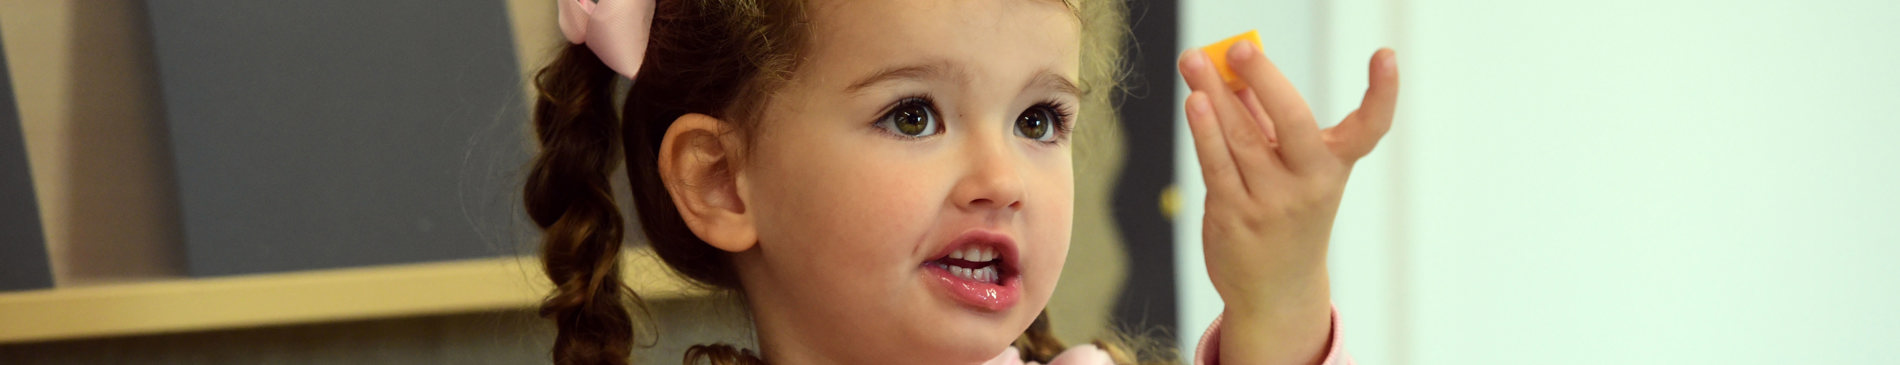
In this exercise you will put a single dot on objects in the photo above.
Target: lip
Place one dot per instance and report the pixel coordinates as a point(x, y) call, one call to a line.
point(992, 297)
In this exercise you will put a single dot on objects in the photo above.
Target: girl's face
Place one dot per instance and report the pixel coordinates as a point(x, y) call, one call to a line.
point(911, 185)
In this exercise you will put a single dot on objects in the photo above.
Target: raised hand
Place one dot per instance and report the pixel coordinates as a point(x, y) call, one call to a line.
point(1274, 181)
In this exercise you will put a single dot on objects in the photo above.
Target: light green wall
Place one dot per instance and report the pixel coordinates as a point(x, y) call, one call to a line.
point(1618, 181)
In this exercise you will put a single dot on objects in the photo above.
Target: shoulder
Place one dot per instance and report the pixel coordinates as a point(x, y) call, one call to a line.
point(1076, 355)
point(1082, 355)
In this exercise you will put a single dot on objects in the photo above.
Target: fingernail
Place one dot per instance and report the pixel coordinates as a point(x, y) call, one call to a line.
point(1241, 51)
point(1197, 60)
point(1390, 62)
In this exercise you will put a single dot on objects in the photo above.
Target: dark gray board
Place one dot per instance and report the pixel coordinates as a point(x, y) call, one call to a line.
point(315, 134)
point(1148, 300)
point(23, 260)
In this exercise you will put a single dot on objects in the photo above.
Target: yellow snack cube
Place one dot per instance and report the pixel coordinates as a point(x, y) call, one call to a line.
point(1217, 53)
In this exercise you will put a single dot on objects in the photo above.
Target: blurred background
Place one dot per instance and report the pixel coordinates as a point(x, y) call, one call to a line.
point(318, 182)
point(1606, 182)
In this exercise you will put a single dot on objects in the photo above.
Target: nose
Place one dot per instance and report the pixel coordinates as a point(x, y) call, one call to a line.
point(992, 180)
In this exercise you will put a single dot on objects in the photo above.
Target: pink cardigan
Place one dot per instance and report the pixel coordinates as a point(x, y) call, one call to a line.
point(1207, 353)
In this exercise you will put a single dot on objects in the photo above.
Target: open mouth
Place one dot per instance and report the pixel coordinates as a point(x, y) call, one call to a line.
point(978, 264)
point(978, 269)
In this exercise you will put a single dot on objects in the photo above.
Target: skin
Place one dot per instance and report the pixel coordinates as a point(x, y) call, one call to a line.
point(1274, 182)
point(830, 217)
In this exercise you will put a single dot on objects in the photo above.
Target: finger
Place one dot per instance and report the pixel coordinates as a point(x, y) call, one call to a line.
point(1293, 125)
point(1355, 136)
point(1217, 165)
point(1246, 141)
point(1252, 101)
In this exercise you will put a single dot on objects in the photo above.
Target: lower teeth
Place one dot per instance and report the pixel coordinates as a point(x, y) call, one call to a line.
point(985, 274)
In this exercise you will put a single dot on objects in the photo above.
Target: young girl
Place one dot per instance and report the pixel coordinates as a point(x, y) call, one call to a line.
point(890, 181)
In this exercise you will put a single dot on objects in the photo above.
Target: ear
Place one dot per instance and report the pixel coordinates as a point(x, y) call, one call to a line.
point(696, 164)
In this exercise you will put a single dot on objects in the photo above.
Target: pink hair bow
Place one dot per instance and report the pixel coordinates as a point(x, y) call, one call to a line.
point(616, 30)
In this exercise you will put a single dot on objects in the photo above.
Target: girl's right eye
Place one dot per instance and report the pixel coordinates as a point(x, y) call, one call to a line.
point(911, 118)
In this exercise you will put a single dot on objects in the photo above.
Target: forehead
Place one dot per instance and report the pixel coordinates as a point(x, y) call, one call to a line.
point(995, 37)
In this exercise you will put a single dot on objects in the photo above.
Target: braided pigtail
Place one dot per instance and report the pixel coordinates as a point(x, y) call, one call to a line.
point(569, 196)
point(722, 58)
point(1039, 344)
point(714, 57)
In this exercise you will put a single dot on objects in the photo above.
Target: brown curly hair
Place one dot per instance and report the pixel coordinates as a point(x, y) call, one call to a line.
point(716, 57)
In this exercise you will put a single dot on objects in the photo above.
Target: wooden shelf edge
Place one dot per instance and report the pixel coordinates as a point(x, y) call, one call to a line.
point(185, 305)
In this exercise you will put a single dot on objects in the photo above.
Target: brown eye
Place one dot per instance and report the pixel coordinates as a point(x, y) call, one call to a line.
point(1038, 123)
point(912, 117)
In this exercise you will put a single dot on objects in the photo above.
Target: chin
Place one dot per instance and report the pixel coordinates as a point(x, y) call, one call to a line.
point(977, 298)
point(963, 335)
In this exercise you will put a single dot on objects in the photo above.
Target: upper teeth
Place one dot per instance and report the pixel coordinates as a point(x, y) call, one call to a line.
point(974, 254)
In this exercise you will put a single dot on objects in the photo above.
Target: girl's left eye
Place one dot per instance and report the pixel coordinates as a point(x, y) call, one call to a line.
point(1042, 122)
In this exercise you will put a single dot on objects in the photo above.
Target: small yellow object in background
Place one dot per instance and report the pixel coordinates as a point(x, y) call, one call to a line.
point(1217, 52)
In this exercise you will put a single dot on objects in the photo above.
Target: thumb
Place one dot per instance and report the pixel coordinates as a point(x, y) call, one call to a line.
point(1355, 136)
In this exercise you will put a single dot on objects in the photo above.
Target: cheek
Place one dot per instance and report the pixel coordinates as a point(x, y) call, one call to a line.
point(1048, 227)
point(848, 209)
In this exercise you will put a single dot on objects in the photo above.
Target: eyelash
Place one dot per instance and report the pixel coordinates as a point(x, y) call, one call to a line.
point(1064, 113)
point(1065, 117)
point(928, 103)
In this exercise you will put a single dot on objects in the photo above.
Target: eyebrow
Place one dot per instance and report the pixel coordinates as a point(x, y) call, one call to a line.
point(942, 69)
point(923, 71)
point(1055, 82)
